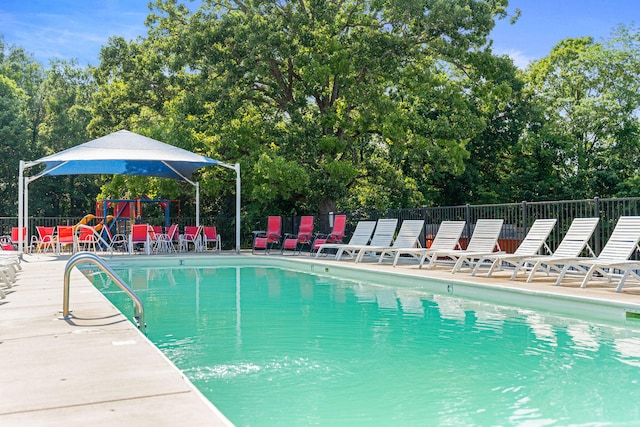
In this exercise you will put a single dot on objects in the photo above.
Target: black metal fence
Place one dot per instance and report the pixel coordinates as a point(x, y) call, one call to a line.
point(518, 217)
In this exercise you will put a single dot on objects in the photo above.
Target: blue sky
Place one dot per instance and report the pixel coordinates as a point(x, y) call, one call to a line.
point(77, 29)
point(544, 23)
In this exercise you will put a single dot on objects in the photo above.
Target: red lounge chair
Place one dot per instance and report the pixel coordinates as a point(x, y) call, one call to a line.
point(192, 234)
point(86, 238)
point(336, 235)
point(173, 233)
point(66, 237)
point(17, 237)
point(155, 233)
point(211, 235)
point(265, 240)
point(140, 234)
point(169, 241)
point(295, 242)
point(45, 239)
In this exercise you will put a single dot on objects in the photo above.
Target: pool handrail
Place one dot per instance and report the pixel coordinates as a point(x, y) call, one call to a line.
point(84, 256)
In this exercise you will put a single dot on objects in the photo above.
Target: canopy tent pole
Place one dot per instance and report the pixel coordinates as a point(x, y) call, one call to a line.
point(21, 202)
point(237, 169)
point(26, 217)
point(197, 204)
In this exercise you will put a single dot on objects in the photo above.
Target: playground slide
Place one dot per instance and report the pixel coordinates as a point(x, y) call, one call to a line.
point(85, 220)
point(90, 217)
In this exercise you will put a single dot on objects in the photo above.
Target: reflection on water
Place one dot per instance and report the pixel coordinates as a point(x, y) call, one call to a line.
point(279, 347)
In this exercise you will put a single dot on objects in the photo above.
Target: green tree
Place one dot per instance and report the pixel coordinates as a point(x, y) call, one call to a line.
point(13, 134)
point(500, 112)
point(42, 112)
point(589, 97)
point(66, 100)
point(20, 112)
point(327, 105)
point(28, 74)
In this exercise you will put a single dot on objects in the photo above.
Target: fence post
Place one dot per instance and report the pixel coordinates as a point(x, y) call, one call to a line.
point(467, 217)
point(596, 214)
point(524, 220)
point(293, 223)
point(423, 238)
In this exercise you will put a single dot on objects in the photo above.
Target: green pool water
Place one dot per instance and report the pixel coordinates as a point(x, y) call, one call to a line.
point(275, 347)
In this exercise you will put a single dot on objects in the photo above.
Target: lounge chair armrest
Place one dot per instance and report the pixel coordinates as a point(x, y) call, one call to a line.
point(329, 237)
point(264, 234)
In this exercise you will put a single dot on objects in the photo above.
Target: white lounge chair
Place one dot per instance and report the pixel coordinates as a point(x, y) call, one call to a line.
point(361, 236)
point(531, 245)
point(572, 245)
point(407, 238)
point(12, 258)
point(382, 236)
point(7, 274)
point(483, 240)
point(116, 241)
point(9, 267)
point(447, 239)
point(613, 261)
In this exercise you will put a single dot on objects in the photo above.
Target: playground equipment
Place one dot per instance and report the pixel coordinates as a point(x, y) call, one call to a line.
point(126, 212)
point(86, 220)
point(130, 211)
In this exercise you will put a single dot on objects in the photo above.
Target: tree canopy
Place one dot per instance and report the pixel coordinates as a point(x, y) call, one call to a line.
point(43, 111)
point(589, 97)
point(328, 105)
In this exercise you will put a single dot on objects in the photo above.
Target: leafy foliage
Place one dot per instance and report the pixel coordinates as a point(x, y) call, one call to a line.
point(334, 106)
point(588, 94)
point(326, 105)
point(42, 112)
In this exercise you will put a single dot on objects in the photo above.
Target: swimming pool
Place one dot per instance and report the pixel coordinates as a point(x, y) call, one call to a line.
point(273, 346)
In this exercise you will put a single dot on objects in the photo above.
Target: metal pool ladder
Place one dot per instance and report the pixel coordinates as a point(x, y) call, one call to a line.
point(81, 257)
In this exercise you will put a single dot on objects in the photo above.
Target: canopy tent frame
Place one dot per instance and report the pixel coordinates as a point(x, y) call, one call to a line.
point(109, 164)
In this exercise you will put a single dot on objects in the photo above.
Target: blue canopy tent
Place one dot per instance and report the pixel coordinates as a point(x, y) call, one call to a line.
point(122, 153)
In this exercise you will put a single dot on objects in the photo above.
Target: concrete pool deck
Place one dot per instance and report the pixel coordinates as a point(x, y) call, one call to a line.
point(95, 368)
point(98, 368)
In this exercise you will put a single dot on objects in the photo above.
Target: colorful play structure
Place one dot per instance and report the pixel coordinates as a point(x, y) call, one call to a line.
point(125, 212)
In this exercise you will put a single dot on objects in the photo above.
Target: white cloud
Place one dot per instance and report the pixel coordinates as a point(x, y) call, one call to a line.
point(64, 30)
point(518, 57)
